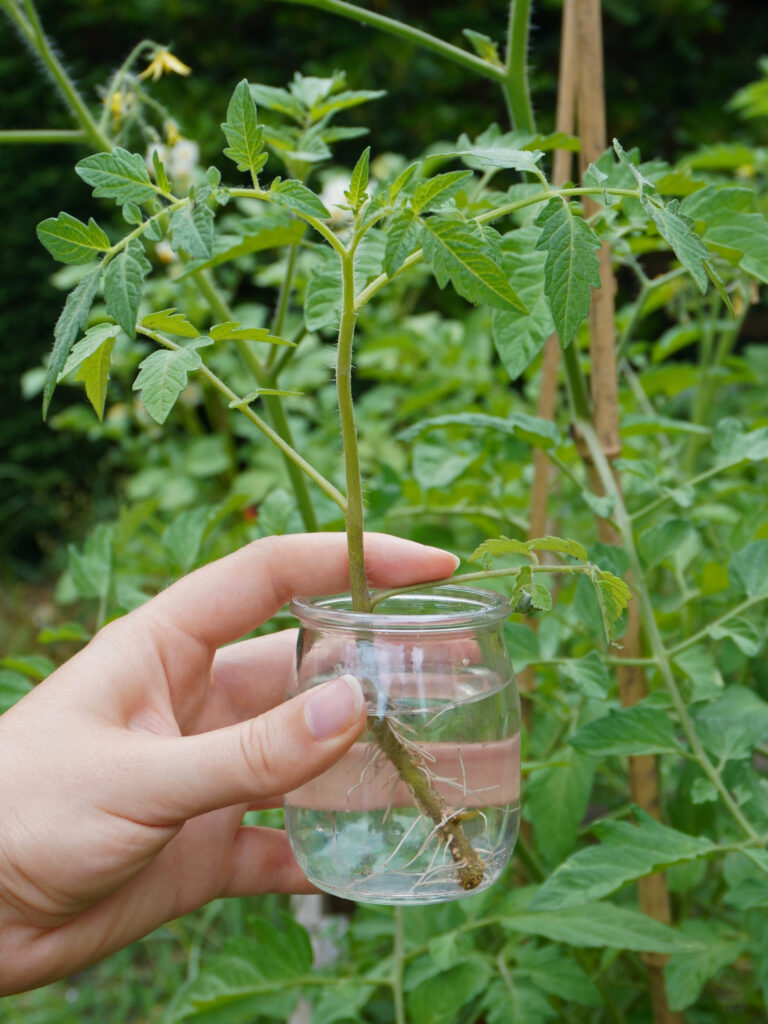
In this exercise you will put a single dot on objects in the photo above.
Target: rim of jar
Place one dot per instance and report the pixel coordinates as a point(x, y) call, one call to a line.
point(458, 608)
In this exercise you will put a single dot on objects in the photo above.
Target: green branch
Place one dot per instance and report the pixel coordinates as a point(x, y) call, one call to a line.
point(661, 655)
point(416, 36)
point(272, 403)
point(265, 197)
point(704, 634)
point(325, 485)
point(32, 31)
point(354, 514)
point(515, 84)
point(42, 135)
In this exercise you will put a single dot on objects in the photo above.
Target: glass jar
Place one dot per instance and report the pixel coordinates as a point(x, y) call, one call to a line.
point(425, 806)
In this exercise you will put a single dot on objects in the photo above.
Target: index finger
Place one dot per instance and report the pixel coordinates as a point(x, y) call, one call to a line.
point(227, 598)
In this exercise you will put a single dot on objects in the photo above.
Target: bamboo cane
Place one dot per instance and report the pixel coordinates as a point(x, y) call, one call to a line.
point(643, 771)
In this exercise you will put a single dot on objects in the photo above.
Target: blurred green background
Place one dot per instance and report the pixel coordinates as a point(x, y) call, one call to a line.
point(671, 66)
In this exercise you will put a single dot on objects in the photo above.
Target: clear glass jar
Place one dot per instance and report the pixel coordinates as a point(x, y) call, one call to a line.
point(425, 806)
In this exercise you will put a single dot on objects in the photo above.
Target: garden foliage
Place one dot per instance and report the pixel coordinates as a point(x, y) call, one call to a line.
point(201, 322)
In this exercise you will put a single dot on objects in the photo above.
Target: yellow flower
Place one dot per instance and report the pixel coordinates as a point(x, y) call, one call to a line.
point(172, 133)
point(119, 103)
point(162, 63)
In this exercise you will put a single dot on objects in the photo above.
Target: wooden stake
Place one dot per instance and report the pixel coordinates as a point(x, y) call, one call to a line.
point(643, 771)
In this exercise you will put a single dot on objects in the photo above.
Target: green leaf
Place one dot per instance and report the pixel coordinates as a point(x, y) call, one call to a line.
point(519, 337)
point(344, 1001)
point(459, 252)
point(403, 179)
point(192, 230)
point(94, 373)
point(13, 686)
point(240, 403)
point(435, 466)
point(556, 974)
point(626, 853)
point(231, 330)
point(662, 541)
point(33, 666)
point(162, 377)
point(297, 197)
point(748, 569)
point(322, 299)
point(732, 726)
point(356, 194)
point(438, 999)
point(747, 894)
point(561, 545)
point(636, 730)
point(571, 268)
point(335, 102)
point(533, 429)
point(117, 175)
point(171, 322)
point(613, 596)
point(679, 233)
point(279, 100)
point(601, 925)
point(642, 181)
point(502, 156)
point(272, 228)
point(63, 632)
point(161, 176)
point(686, 973)
point(91, 568)
point(72, 319)
point(436, 191)
point(403, 236)
point(91, 342)
point(484, 46)
point(520, 1003)
point(68, 240)
point(183, 538)
point(501, 546)
point(589, 674)
point(744, 634)
point(557, 800)
point(729, 223)
point(253, 976)
point(243, 132)
point(123, 283)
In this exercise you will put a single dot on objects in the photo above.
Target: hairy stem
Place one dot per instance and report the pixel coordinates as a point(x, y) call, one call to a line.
point(410, 34)
point(515, 85)
point(398, 963)
point(358, 584)
point(33, 31)
point(416, 775)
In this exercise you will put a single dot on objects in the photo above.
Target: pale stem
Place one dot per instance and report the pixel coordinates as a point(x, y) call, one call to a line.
point(358, 583)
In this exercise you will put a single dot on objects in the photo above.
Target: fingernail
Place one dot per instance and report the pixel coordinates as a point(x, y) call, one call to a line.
point(334, 707)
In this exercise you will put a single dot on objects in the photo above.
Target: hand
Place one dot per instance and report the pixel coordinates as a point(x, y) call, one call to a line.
point(126, 774)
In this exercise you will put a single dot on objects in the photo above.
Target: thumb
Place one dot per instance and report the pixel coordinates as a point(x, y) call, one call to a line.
point(249, 762)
